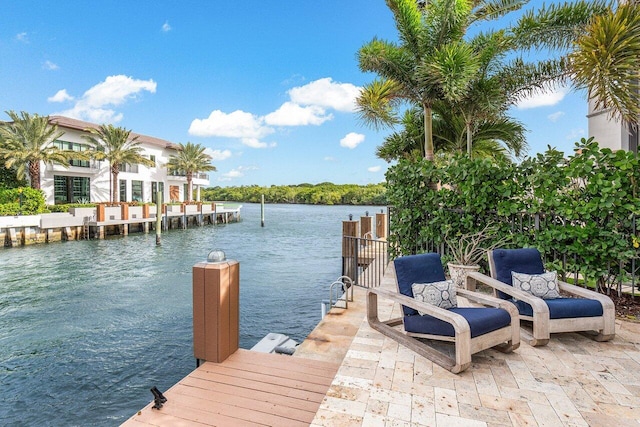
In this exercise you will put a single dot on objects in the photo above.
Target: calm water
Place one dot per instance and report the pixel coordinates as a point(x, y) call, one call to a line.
point(86, 328)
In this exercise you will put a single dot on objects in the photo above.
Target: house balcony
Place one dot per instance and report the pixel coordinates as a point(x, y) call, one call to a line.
point(91, 167)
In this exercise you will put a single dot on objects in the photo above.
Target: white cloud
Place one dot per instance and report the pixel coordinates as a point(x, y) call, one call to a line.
point(330, 159)
point(544, 99)
point(48, 65)
point(374, 169)
point(60, 96)
point(555, 116)
point(326, 93)
point(218, 155)
point(239, 124)
point(236, 173)
point(575, 134)
point(113, 91)
point(22, 37)
point(291, 114)
point(351, 140)
point(166, 27)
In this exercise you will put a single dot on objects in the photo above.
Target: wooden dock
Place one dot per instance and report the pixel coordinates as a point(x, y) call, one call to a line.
point(247, 389)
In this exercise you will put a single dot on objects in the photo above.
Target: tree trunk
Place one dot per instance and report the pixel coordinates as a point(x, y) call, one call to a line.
point(115, 170)
point(469, 140)
point(189, 184)
point(428, 133)
point(34, 174)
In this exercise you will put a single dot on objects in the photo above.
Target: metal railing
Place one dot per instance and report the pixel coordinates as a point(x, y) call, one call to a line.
point(621, 276)
point(364, 260)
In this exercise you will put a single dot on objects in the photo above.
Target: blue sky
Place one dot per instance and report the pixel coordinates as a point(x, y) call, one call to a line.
point(267, 87)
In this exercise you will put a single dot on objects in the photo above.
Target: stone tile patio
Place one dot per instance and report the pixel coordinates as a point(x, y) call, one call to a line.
point(573, 381)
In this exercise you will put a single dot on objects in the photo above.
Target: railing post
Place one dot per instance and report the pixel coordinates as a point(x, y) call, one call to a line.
point(350, 231)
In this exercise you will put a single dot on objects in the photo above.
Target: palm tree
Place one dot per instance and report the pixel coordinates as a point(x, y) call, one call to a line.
point(26, 141)
point(606, 62)
point(115, 145)
point(190, 159)
point(432, 62)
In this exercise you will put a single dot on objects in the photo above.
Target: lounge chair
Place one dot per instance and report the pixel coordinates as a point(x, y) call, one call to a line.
point(583, 310)
point(470, 329)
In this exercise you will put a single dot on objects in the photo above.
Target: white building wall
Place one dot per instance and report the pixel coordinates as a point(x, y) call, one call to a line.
point(99, 173)
point(608, 133)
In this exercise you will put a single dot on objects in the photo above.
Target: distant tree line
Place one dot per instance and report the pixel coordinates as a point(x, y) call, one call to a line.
point(325, 193)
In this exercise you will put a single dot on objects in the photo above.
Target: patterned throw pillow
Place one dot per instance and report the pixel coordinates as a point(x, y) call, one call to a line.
point(543, 286)
point(441, 294)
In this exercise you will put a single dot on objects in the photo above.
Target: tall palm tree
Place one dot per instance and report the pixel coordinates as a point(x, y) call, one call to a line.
point(115, 145)
point(26, 141)
point(432, 62)
point(190, 159)
point(606, 62)
point(435, 62)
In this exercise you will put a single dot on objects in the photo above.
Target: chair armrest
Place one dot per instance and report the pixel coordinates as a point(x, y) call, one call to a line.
point(459, 323)
point(537, 304)
point(489, 301)
point(586, 293)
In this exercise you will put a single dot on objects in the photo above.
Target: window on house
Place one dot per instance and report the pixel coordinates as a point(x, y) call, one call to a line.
point(73, 146)
point(71, 189)
point(123, 190)
point(136, 191)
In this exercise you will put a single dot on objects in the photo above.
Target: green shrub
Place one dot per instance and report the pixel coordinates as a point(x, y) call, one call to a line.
point(580, 209)
point(28, 200)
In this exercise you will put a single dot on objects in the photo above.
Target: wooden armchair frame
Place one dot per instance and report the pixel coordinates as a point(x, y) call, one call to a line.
point(542, 325)
point(505, 339)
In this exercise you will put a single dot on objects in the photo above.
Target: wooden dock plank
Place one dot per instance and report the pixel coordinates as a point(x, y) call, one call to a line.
point(263, 396)
point(213, 409)
point(240, 402)
point(280, 362)
point(248, 388)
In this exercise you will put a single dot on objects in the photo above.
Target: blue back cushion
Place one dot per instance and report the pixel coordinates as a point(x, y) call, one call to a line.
point(527, 260)
point(421, 268)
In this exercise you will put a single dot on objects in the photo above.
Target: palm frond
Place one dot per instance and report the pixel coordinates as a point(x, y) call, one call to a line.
point(606, 62)
point(377, 103)
point(555, 26)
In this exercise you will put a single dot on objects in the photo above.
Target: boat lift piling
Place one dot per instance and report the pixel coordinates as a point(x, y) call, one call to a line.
point(158, 217)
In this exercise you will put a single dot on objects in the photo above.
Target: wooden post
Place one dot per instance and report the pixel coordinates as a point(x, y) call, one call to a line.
point(349, 229)
point(124, 211)
point(100, 216)
point(381, 225)
point(158, 217)
point(365, 227)
point(216, 310)
point(262, 212)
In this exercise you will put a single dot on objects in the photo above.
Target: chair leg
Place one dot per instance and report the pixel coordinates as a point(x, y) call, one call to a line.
point(507, 347)
point(528, 337)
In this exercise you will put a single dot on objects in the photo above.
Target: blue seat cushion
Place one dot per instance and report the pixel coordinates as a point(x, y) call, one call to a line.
point(481, 321)
point(421, 268)
point(526, 260)
point(565, 308)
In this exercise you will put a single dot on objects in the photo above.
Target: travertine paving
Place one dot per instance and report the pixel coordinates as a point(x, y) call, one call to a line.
point(573, 381)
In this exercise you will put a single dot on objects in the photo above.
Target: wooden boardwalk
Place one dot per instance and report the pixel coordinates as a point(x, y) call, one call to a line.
point(247, 389)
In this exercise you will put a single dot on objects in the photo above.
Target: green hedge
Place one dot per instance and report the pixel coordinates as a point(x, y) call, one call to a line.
point(580, 208)
point(21, 201)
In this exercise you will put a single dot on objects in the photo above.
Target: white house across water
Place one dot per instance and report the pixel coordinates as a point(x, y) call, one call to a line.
point(90, 181)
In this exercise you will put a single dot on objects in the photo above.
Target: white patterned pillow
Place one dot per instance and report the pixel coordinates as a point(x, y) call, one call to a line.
point(543, 286)
point(441, 294)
